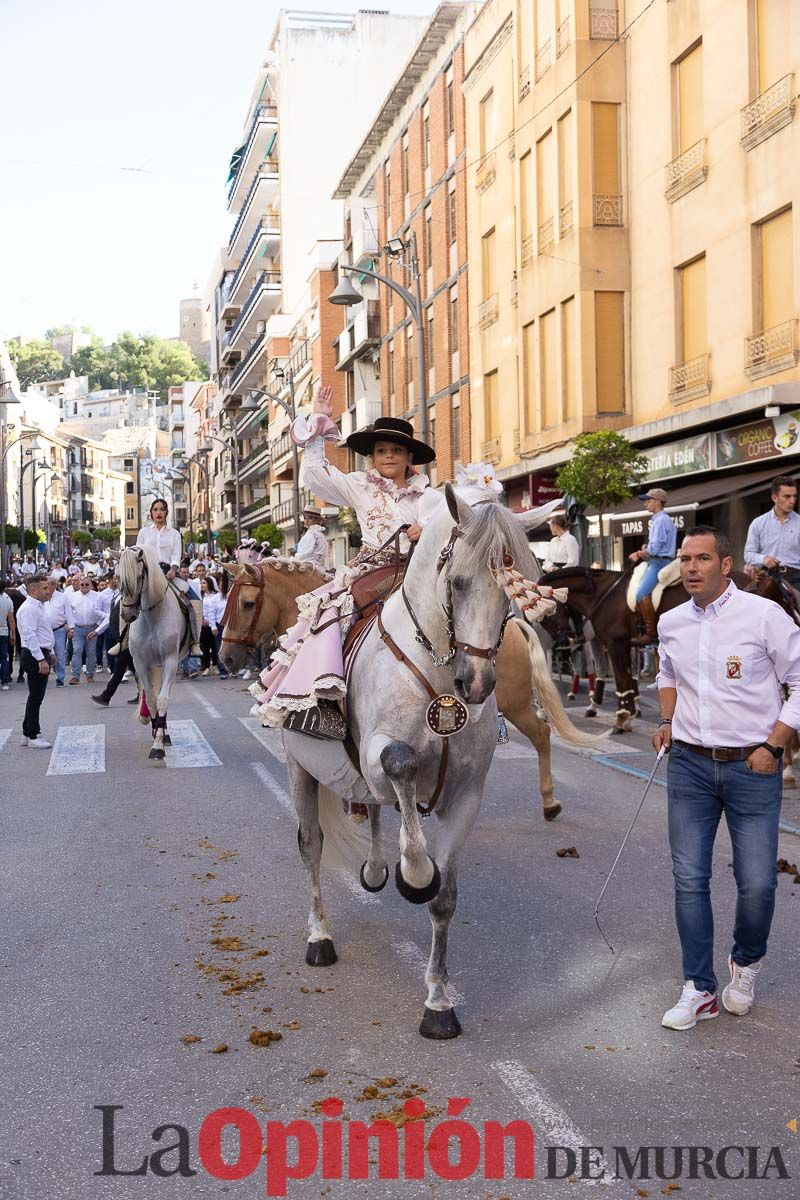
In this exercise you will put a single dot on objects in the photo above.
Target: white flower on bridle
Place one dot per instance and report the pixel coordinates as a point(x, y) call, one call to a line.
point(479, 475)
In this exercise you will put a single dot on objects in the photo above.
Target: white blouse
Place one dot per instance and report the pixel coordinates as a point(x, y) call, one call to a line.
point(165, 542)
point(380, 505)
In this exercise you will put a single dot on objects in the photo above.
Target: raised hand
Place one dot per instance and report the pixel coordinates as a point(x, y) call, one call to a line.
point(323, 401)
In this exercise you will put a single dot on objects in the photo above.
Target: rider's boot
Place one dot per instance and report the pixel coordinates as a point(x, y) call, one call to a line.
point(648, 614)
point(196, 624)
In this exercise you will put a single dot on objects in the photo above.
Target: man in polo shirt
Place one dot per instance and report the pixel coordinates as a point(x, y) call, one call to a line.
point(36, 636)
point(773, 539)
point(659, 551)
point(723, 656)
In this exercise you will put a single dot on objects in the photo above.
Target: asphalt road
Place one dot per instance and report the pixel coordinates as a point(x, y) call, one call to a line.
point(122, 883)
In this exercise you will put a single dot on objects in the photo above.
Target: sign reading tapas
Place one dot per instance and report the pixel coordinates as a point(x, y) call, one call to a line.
point(769, 438)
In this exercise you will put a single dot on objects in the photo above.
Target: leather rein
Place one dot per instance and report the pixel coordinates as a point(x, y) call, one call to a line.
point(248, 639)
point(137, 601)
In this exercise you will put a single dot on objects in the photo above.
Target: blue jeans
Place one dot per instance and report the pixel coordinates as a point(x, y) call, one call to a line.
point(60, 651)
point(5, 673)
point(80, 641)
point(650, 577)
point(700, 791)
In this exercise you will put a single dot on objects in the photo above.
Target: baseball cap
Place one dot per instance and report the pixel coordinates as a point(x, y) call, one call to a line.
point(655, 494)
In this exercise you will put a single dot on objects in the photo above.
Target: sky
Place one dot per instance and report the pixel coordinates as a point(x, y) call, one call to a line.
point(117, 122)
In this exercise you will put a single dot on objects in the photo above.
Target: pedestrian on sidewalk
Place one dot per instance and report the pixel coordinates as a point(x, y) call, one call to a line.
point(724, 655)
point(56, 608)
point(8, 633)
point(37, 640)
point(84, 614)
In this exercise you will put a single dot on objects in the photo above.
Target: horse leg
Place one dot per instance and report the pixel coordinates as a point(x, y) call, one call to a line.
point(168, 673)
point(439, 1020)
point(538, 732)
point(304, 791)
point(619, 653)
point(375, 871)
point(789, 778)
point(417, 875)
point(158, 719)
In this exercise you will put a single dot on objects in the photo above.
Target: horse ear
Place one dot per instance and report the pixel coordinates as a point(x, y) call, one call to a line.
point(252, 572)
point(230, 569)
point(460, 511)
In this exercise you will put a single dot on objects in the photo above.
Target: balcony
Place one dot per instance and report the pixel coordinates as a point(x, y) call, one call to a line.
point(527, 250)
point(563, 36)
point(603, 24)
point(488, 312)
point(368, 409)
point(566, 219)
point(514, 292)
point(258, 511)
point(768, 113)
point(260, 141)
point(544, 59)
point(255, 464)
point(546, 235)
point(607, 210)
point(485, 174)
point(267, 286)
point(262, 191)
point(299, 358)
point(244, 370)
point(365, 246)
point(266, 233)
point(490, 451)
point(524, 82)
point(690, 380)
point(280, 452)
point(225, 306)
point(771, 351)
point(686, 171)
point(361, 337)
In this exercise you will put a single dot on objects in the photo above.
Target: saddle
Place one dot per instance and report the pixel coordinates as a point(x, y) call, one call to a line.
point(667, 576)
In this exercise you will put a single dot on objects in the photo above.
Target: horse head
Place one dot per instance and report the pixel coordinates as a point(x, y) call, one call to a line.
point(132, 581)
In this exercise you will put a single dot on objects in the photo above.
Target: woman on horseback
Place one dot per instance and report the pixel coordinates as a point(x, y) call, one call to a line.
point(307, 678)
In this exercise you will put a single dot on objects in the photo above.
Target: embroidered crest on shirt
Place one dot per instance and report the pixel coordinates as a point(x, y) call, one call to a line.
point(733, 667)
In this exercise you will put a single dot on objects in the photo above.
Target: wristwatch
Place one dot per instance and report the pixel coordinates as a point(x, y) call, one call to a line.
point(775, 751)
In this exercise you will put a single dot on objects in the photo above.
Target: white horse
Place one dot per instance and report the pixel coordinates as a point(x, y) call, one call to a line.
point(158, 637)
point(447, 623)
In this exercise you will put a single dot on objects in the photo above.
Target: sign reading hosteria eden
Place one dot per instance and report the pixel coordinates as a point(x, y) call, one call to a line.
point(761, 440)
point(685, 457)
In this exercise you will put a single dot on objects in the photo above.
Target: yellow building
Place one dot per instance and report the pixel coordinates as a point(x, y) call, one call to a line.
point(633, 248)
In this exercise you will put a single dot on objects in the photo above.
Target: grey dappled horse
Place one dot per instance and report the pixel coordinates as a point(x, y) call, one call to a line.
point(399, 756)
point(158, 636)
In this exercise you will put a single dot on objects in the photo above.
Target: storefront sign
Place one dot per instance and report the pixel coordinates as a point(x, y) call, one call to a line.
point(685, 457)
point(761, 440)
point(533, 491)
point(628, 526)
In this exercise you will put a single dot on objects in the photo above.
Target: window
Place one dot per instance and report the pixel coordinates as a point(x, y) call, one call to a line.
point(569, 374)
point(548, 382)
point(430, 338)
point(455, 428)
point(777, 288)
point(773, 19)
point(428, 229)
point(387, 177)
point(693, 309)
point(426, 138)
point(545, 184)
point(128, 464)
point(452, 225)
point(130, 514)
point(453, 321)
point(526, 200)
point(529, 376)
point(491, 415)
point(404, 165)
point(609, 339)
point(605, 156)
point(690, 99)
point(566, 187)
point(486, 125)
point(525, 36)
point(129, 488)
point(451, 108)
point(543, 36)
point(488, 264)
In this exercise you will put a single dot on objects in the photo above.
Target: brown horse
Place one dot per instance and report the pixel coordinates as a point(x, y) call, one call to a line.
point(262, 602)
point(601, 597)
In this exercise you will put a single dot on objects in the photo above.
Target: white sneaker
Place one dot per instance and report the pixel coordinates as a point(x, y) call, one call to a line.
point(692, 1007)
point(739, 995)
point(247, 674)
point(38, 743)
point(4, 688)
point(207, 671)
point(23, 741)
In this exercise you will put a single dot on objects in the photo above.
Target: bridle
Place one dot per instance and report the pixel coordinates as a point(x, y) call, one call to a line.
point(453, 644)
point(248, 639)
point(137, 600)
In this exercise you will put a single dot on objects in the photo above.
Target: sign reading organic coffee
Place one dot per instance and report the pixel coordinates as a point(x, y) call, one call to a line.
point(769, 438)
point(685, 457)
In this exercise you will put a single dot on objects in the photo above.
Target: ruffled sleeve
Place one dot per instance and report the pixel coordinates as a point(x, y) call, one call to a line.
point(320, 476)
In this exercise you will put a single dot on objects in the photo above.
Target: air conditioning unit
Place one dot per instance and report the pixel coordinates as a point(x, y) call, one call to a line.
point(261, 327)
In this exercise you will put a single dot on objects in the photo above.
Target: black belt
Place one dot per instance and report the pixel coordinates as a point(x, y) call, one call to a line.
point(720, 753)
point(57, 627)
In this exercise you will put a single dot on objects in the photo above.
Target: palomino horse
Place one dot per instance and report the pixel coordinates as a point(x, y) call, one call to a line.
point(601, 597)
point(263, 602)
point(437, 637)
point(158, 637)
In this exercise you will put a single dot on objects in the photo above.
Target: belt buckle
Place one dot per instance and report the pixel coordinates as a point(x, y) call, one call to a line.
point(719, 754)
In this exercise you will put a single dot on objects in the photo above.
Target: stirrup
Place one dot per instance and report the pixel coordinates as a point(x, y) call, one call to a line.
point(324, 721)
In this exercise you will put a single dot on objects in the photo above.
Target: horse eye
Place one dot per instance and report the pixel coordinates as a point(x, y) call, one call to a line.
point(458, 583)
point(248, 604)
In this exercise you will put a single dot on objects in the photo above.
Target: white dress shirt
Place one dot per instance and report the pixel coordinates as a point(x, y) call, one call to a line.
point(83, 609)
point(105, 599)
point(313, 547)
point(768, 537)
point(35, 631)
point(165, 542)
point(562, 551)
point(56, 609)
point(727, 662)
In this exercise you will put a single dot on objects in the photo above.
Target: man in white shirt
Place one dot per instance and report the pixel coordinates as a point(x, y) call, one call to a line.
point(724, 655)
point(84, 614)
point(56, 608)
point(28, 568)
point(58, 573)
point(36, 637)
point(8, 633)
point(563, 550)
point(313, 545)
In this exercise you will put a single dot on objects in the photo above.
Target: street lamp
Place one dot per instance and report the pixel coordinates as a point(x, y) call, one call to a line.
point(232, 446)
point(54, 478)
point(6, 397)
point(345, 294)
point(286, 375)
point(204, 468)
point(175, 474)
point(31, 453)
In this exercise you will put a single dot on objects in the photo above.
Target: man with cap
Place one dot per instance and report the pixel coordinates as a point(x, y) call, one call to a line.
point(659, 551)
point(313, 545)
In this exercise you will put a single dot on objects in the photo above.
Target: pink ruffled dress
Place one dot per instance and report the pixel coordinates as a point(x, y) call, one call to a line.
point(307, 667)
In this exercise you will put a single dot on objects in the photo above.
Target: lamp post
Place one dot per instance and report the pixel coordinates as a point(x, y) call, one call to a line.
point(23, 466)
point(345, 294)
point(6, 397)
point(175, 474)
point(54, 478)
point(204, 468)
point(232, 446)
point(286, 375)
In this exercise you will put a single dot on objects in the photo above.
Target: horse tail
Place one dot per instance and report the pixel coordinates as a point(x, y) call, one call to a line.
point(549, 699)
point(346, 844)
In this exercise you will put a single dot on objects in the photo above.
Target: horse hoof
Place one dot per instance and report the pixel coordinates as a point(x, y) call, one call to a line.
point(418, 895)
point(144, 720)
point(440, 1025)
point(167, 740)
point(617, 732)
point(552, 811)
point(321, 954)
point(590, 712)
point(157, 754)
point(362, 876)
point(570, 697)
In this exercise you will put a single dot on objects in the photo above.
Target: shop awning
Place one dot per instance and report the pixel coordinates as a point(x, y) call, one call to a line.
point(719, 490)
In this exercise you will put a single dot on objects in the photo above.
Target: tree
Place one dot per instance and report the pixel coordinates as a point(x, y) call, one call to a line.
point(80, 537)
point(605, 469)
point(138, 362)
point(270, 534)
point(36, 362)
point(226, 539)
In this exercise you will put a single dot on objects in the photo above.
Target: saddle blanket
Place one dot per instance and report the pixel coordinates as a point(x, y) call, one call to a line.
point(667, 576)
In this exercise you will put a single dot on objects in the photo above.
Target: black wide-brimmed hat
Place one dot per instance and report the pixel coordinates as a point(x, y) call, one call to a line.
point(391, 429)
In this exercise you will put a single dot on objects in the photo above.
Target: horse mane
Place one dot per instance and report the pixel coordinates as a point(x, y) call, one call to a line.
point(286, 564)
point(492, 534)
point(127, 568)
point(570, 573)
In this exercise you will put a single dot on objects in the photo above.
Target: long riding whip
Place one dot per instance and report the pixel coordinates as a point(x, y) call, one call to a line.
point(659, 757)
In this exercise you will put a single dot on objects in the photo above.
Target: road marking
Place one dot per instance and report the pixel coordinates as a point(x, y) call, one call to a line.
point(5, 734)
point(79, 750)
point(413, 956)
point(278, 793)
point(207, 705)
point(271, 739)
point(551, 1123)
point(189, 748)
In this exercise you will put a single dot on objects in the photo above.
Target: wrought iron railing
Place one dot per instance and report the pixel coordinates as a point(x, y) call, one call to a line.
point(263, 112)
point(527, 250)
point(769, 112)
point(544, 59)
point(248, 360)
point(563, 36)
point(488, 312)
point(690, 379)
point(771, 350)
point(546, 236)
point(565, 219)
point(524, 82)
point(686, 171)
point(269, 167)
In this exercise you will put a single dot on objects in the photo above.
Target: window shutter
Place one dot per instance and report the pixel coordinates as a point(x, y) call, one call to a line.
point(605, 124)
point(772, 25)
point(777, 265)
point(551, 409)
point(609, 349)
point(569, 366)
point(693, 296)
point(690, 94)
point(544, 174)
